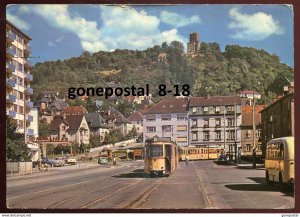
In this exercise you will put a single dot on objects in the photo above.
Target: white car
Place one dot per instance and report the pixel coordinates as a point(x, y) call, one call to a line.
point(71, 161)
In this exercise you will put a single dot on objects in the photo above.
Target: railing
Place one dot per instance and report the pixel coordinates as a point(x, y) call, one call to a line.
point(30, 118)
point(11, 51)
point(27, 48)
point(11, 36)
point(28, 77)
point(12, 113)
point(30, 132)
point(11, 97)
point(11, 67)
point(11, 83)
point(29, 104)
point(29, 91)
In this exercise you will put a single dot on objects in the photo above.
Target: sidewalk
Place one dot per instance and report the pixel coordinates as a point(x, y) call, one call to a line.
point(246, 164)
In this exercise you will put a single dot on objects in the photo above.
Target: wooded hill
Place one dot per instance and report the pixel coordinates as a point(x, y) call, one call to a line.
point(212, 72)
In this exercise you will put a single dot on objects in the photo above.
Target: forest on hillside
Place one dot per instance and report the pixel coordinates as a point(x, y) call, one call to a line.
point(211, 72)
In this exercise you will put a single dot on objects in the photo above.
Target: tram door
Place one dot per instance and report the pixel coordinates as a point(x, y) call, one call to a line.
point(168, 158)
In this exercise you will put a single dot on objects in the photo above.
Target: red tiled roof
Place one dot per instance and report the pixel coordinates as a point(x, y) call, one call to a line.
point(73, 121)
point(75, 110)
point(173, 105)
point(215, 100)
point(116, 115)
point(135, 116)
point(247, 115)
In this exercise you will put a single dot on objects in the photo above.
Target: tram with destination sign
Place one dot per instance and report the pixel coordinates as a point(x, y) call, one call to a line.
point(199, 153)
point(161, 157)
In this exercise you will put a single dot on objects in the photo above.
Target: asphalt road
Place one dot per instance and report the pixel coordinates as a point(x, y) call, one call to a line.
point(200, 185)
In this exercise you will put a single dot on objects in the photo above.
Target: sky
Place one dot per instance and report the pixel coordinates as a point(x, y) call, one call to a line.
point(65, 31)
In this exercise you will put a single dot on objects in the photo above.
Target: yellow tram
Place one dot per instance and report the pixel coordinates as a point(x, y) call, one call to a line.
point(199, 153)
point(161, 156)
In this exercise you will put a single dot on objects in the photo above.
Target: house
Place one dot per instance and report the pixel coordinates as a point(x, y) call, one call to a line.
point(247, 130)
point(73, 128)
point(97, 125)
point(136, 120)
point(215, 121)
point(116, 120)
point(278, 119)
point(167, 119)
point(51, 107)
point(248, 96)
point(75, 110)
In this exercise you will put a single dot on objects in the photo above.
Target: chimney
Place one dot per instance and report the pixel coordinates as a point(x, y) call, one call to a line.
point(64, 116)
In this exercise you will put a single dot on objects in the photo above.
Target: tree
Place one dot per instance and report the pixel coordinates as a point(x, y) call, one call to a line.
point(16, 149)
point(44, 128)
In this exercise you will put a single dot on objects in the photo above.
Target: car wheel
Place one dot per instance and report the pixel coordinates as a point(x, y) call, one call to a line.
point(269, 182)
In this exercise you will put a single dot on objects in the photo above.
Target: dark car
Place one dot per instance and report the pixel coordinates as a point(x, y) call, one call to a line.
point(47, 161)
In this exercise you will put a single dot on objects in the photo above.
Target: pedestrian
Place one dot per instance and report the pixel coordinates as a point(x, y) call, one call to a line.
point(187, 160)
point(114, 160)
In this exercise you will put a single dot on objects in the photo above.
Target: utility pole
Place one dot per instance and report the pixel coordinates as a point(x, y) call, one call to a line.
point(254, 134)
point(235, 144)
point(224, 132)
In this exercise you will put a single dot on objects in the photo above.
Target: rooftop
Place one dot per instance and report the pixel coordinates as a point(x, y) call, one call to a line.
point(215, 101)
point(172, 105)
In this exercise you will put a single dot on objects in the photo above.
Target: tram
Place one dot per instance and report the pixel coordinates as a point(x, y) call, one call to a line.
point(161, 157)
point(199, 153)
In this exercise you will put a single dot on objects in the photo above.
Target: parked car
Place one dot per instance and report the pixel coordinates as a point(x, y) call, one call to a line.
point(72, 161)
point(47, 161)
point(58, 162)
point(102, 160)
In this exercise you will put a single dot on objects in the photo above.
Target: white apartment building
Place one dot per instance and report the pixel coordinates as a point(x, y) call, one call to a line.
point(167, 119)
point(216, 122)
point(18, 78)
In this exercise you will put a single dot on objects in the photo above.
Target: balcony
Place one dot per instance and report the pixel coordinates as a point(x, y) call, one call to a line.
point(28, 77)
point(29, 91)
point(10, 98)
point(30, 118)
point(29, 104)
point(10, 67)
point(30, 132)
point(10, 37)
point(12, 113)
point(10, 53)
point(27, 65)
point(10, 83)
point(27, 49)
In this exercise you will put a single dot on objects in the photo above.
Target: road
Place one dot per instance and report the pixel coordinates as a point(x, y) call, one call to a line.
point(200, 185)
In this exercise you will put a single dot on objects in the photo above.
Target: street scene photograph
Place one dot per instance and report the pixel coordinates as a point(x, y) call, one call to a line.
point(150, 107)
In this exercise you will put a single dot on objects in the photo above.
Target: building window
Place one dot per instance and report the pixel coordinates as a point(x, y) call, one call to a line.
point(181, 128)
point(181, 117)
point(150, 118)
point(258, 133)
point(248, 147)
point(194, 136)
point(181, 139)
point(166, 128)
point(21, 95)
point(21, 124)
point(217, 109)
point(21, 109)
point(229, 108)
point(218, 135)
point(206, 135)
point(205, 109)
point(151, 129)
point(231, 134)
point(230, 122)
point(194, 122)
point(218, 122)
point(165, 117)
point(194, 109)
point(206, 122)
point(248, 134)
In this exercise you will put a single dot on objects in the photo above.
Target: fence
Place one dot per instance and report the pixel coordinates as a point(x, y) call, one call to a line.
point(19, 167)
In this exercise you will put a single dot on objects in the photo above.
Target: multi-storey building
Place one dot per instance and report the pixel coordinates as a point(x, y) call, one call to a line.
point(18, 78)
point(193, 45)
point(215, 122)
point(278, 119)
point(247, 130)
point(167, 119)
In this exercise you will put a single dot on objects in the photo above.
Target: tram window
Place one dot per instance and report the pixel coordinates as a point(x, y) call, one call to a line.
point(156, 150)
point(281, 150)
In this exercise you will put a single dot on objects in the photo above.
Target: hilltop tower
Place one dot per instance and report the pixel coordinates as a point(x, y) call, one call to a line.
point(193, 45)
